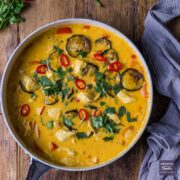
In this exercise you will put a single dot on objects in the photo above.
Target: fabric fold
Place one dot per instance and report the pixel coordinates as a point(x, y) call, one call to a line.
point(162, 53)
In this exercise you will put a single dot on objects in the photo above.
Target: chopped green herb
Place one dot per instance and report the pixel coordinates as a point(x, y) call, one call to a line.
point(49, 91)
point(111, 127)
point(70, 69)
point(70, 78)
point(67, 122)
point(108, 138)
point(117, 88)
point(61, 73)
point(33, 96)
point(58, 50)
point(97, 122)
point(10, 12)
point(45, 61)
point(90, 106)
point(81, 135)
point(89, 86)
point(110, 110)
point(129, 119)
point(102, 103)
point(122, 111)
point(82, 54)
point(44, 81)
point(99, 76)
point(50, 124)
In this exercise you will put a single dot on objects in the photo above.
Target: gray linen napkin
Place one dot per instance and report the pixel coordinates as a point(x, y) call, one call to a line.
point(162, 52)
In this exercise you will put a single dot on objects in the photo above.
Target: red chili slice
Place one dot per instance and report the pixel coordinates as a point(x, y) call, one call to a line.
point(42, 110)
point(100, 57)
point(64, 60)
point(25, 109)
point(115, 66)
point(80, 84)
point(87, 26)
point(42, 69)
point(83, 114)
point(97, 113)
point(64, 30)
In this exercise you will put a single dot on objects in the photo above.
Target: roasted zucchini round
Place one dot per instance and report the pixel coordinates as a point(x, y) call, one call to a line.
point(54, 63)
point(28, 84)
point(111, 55)
point(112, 78)
point(89, 69)
point(76, 44)
point(132, 79)
point(102, 44)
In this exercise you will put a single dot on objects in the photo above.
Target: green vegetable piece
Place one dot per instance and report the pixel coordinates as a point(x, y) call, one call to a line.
point(129, 119)
point(110, 126)
point(89, 86)
point(81, 135)
point(99, 76)
point(50, 124)
point(44, 81)
point(60, 51)
point(67, 122)
point(122, 111)
point(97, 122)
point(82, 54)
point(110, 110)
point(108, 138)
point(102, 103)
point(117, 88)
point(61, 73)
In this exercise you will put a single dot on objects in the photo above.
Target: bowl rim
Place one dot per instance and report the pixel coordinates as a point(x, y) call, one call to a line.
point(12, 60)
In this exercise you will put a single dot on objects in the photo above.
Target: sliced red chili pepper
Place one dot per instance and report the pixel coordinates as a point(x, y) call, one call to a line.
point(41, 69)
point(64, 30)
point(133, 56)
point(115, 66)
point(64, 60)
point(42, 110)
point(83, 114)
point(87, 26)
point(100, 57)
point(80, 84)
point(25, 109)
point(97, 113)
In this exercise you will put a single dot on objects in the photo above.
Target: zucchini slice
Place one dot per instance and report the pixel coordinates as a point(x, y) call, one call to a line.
point(90, 69)
point(28, 84)
point(76, 44)
point(111, 55)
point(132, 79)
point(112, 78)
point(54, 63)
point(102, 44)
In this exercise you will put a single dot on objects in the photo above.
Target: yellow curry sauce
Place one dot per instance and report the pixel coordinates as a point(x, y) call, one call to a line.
point(78, 95)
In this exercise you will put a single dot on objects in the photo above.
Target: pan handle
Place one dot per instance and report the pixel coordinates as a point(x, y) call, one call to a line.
point(36, 170)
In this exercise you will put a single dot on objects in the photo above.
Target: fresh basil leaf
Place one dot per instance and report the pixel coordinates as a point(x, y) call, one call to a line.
point(108, 138)
point(110, 126)
point(99, 76)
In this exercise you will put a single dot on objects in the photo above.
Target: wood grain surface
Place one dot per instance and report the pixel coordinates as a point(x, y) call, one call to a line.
point(125, 15)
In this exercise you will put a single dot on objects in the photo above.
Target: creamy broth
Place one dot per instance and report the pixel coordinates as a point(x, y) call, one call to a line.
point(79, 95)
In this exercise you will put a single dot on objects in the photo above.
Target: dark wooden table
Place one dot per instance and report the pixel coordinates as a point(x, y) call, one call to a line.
point(125, 15)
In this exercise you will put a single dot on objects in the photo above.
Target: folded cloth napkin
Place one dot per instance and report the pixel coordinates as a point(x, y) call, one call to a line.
point(162, 52)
